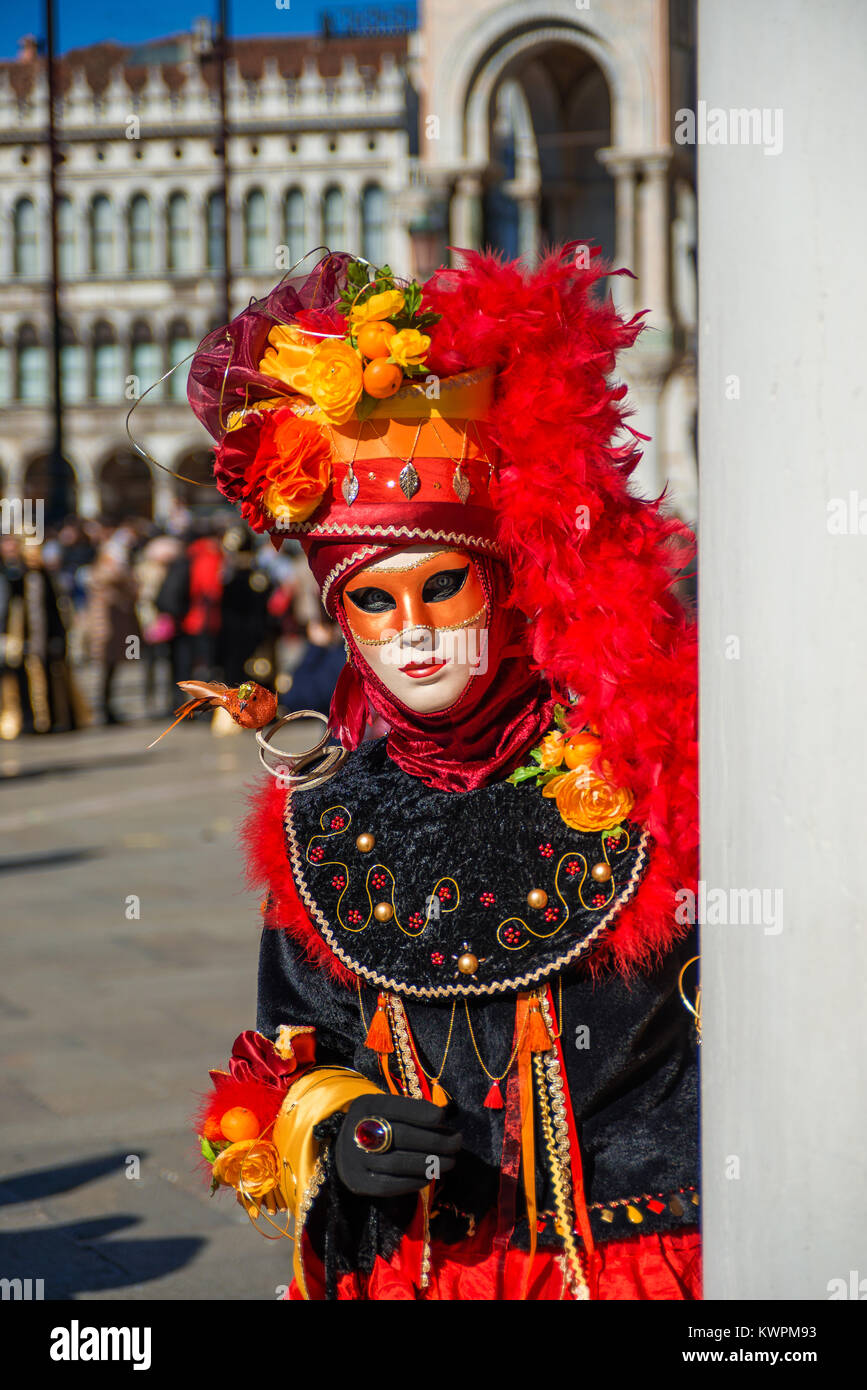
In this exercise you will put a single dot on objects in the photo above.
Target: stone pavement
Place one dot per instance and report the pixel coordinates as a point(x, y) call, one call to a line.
point(109, 1023)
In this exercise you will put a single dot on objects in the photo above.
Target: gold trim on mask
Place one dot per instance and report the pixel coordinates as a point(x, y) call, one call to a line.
point(416, 627)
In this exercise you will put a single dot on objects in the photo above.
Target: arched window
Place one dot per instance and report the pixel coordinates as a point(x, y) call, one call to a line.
point(373, 224)
point(333, 219)
point(146, 361)
point(107, 379)
point(25, 243)
point(73, 367)
point(295, 224)
point(66, 257)
point(181, 342)
point(216, 217)
point(31, 366)
point(180, 240)
point(139, 236)
point(256, 231)
point(125, 487)
point(101, 236)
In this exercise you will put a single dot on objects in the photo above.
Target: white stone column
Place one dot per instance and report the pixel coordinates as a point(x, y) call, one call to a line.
point(784, 657)
point(528, 225)
point(466, 213)
point(622, 169)
point(653, 288)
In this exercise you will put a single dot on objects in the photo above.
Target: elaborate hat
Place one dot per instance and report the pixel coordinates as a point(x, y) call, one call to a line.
point(359, 413)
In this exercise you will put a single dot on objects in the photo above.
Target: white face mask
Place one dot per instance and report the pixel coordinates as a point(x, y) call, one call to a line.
point(419, 618)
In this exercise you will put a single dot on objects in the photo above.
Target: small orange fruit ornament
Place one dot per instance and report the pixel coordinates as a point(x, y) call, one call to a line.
point(373, 339)
point(239, 1123)
point(581, 750)
point(381, 378)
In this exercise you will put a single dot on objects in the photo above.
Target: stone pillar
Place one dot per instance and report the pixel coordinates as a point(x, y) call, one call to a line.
point(528, 226)
point(653, 290)
point(622, 169)
point(466, 213)
point(784, 663)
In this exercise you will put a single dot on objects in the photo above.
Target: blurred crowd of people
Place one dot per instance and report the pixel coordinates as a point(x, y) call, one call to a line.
point(198, 599)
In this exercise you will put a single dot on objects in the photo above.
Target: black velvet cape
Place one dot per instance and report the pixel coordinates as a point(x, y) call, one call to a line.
point(629, 1046)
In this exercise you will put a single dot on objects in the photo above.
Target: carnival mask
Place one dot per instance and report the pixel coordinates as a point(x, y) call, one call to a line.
point(419, 618)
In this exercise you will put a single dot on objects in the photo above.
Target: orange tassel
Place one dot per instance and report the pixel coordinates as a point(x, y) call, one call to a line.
point(538, 1037)
point(494, 1098)
point(379, 1033)
point(437, 1094)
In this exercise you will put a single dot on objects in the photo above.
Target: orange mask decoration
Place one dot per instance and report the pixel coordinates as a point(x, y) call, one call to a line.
point(419, 618)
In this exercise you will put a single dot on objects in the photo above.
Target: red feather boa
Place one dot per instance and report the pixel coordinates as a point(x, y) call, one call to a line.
point(268, 866)
point(593, 568)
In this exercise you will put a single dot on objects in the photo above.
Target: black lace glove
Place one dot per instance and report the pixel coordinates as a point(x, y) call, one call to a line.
point(419, 1133)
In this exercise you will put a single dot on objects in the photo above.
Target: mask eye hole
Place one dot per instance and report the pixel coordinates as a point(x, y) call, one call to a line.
point(371, 600)
point(445, 584)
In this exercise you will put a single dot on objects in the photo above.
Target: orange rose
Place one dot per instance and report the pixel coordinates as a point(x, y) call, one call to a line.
point(586, 801)
point(252, 1166)
point(294, 467)
point(552, 749)
point(288, 354)
point(332, 379)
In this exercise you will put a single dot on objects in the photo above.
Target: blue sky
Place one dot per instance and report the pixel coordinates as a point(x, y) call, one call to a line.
point(80, 22)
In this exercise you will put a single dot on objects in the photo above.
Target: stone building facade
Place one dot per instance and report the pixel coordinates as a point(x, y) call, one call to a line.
point(318, 151)
point(513, 124)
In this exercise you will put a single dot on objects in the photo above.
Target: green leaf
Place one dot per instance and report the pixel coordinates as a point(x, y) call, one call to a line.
point(522, 774)
point(560, 717)
point(549, 776)
point(366, 406)
point(536, 755)
point(214, 1186)
point(208, 1150)
point(616, 833)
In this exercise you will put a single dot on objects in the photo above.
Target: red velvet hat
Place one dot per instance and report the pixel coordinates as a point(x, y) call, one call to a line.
point(307, 452)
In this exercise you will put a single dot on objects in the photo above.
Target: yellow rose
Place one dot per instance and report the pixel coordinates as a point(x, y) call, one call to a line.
point(587, 802)
point(252, 1166)
point(332, 379)
point(288, 354)
point(552, 750)
point(409, 348)
point(378, 306)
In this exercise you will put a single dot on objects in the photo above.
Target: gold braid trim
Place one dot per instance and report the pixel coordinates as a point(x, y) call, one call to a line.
point(413, 1083)
point(562, 1199)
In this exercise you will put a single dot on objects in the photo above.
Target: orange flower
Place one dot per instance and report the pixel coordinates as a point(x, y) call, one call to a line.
point(251, 1164)
point(288, 354)
point(552, 749)
point(588, 802)
point(409, 348)
point(581, 750)
point(293, 463)
point(384, 305)
point(332, 379)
